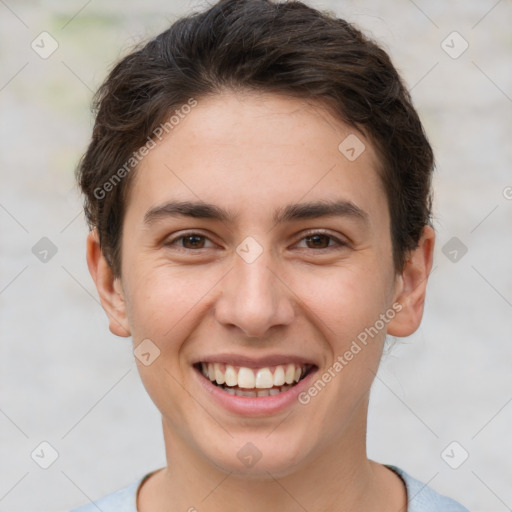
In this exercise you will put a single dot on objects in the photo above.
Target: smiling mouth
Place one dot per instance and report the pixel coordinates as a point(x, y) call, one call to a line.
point(254, 382)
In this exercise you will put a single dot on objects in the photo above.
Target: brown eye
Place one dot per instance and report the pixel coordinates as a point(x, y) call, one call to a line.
point(193, 241)
point(190, 241)
point(318, 241)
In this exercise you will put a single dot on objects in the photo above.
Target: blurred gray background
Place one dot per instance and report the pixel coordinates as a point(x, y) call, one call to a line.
point(441, 395)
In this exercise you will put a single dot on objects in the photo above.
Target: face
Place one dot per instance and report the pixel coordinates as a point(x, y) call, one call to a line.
point(254, 255)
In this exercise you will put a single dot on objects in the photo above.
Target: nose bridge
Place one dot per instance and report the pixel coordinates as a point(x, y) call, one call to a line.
point(253, 298)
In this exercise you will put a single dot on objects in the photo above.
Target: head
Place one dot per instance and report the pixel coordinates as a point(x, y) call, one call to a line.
point(258, 191)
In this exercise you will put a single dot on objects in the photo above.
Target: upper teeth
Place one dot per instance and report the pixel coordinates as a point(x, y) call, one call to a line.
point(249, 378)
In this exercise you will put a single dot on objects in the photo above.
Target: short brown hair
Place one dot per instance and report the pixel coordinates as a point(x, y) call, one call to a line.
point(264, 46)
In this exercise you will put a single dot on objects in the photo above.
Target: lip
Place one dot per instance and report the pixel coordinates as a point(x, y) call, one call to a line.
point(254, 406)
point(256, 362)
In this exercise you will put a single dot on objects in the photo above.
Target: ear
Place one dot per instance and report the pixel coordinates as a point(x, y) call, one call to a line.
point(109, 287)
point(411, 286)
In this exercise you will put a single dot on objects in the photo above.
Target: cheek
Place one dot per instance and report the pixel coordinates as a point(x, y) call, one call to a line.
point(165, 307)
point(344, 300)
point(164, 300)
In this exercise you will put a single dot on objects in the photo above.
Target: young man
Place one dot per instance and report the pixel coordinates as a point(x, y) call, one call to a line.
point(258, 188)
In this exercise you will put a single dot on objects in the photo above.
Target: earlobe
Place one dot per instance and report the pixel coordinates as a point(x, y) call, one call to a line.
point(109, 287)
point(411, 286)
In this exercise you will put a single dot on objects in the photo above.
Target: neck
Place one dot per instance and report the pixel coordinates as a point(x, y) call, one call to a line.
point(339, 477)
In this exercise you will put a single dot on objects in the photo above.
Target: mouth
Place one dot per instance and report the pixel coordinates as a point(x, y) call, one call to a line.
point(254, 382)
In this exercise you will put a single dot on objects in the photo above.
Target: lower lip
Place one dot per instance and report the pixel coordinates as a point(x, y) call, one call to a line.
point(255, 406)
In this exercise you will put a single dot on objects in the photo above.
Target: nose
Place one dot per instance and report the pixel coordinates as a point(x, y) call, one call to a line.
point(254, 297)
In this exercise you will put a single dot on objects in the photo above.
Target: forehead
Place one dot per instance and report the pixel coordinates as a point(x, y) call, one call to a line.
point(251, 153)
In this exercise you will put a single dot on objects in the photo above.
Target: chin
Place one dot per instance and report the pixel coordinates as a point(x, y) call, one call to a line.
point(257, 458)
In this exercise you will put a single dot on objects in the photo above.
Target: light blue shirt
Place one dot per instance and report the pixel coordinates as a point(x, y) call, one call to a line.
point(420, 498)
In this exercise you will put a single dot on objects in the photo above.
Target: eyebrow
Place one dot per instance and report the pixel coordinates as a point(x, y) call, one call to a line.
point(288, 213)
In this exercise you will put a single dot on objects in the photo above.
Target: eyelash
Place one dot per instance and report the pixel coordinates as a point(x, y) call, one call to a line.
point(338, 243)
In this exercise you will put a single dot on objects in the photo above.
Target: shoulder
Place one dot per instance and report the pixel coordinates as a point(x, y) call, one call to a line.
point(422, 498)
point(124, 499)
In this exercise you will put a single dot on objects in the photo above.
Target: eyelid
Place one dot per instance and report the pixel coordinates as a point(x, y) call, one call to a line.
point(339, 241)
point(172, 241)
